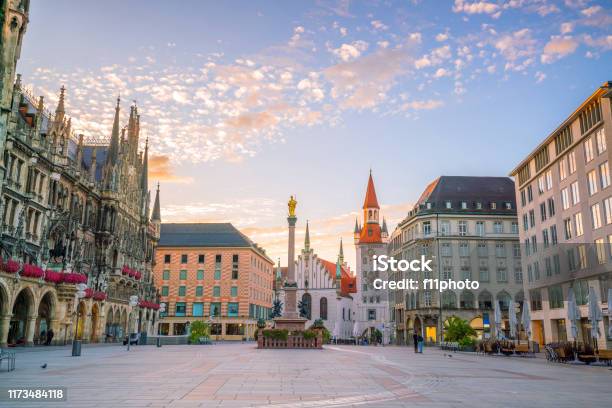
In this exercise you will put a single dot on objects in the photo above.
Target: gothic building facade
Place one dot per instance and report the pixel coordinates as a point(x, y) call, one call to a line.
point(76, 236)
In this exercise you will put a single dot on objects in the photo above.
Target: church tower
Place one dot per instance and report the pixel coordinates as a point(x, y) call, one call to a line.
point(14, 14)
point(370, 241)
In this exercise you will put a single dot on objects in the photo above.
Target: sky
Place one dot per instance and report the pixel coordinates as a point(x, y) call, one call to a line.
point(248, 102)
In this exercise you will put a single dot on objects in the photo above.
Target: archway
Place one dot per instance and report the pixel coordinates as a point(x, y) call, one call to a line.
point(478, 324)
point(418, 325)
point(81, 318)
point(46, 311)
point(117, 325)
point(23, 308)
point(93, 331)
point(485, 300)
point(108, 330)
point(4, 309)
point(307, 305)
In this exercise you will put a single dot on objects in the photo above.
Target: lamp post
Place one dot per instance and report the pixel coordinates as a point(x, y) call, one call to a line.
point(76, 343)
point(133, 303)
point(162, 309)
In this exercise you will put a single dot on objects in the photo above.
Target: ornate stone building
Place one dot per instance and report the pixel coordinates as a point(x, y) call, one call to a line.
point(72, 210)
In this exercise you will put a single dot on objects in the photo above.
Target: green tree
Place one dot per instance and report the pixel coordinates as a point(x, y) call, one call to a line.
point(457, 329)
point(199, 329)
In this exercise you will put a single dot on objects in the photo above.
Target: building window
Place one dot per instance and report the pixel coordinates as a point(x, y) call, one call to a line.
point(232, 309)
point(165, 291)
point(372, 313)
point(217, 267)
point(182, 290)
point(608, 209)
point(234, 291)
point(525, 222)
point(216, 291)
point(180, 310)
point(444, 228)
point(498, 227)
point(545, 240)
point(571, 157)
point(549, 181)
point(197, 309)
point(529, 194)
point(449, 205)
point(184, 258)
point(445, 249)
point(532, 218)
point(464, 205)
point(600, 137)
point(480, 228)
point(596, 216)
point(201, 258)
point(563, 169)
point(500, 250)
point(183, 274)
point(553, 234)
point(592, 182)
point(600, 248)
point(555, 297)
point(515, 228)
point(306, 306)
point(426, 228)
point(523, 198)
point(565, 198)
point(567, 226)
point(588, 150)
point(464, 249)
point(167, 258)
point(166, 275)
point(548, 267)
point(323, 308)
point(556, 264)
point(463, 228)
point(542, 212)
point(518, 274)
point(235, 266)
point(604, 174)
point(551, 207)
point(199, 290)
point(502, 275)
point(516, 250)
point(541, 184)
point(536, 299)
point(483, 274)
point(578, 223)
point(200, 274)
point(215, 309)
point(575, 193)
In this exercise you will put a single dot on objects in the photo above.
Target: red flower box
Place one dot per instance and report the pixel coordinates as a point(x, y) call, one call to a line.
point(10, 266)
point(52, 276)
point(125, 270)
point(137, 275)
point(32, 271)
point(99, 295)
point(88, 293)
point(74, 278)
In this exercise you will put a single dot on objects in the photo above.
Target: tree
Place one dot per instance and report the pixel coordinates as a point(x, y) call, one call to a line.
point(199, 329)
point(456, 329)
point(277, 309)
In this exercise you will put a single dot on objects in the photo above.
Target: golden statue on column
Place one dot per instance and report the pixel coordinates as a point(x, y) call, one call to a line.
point(292, 204)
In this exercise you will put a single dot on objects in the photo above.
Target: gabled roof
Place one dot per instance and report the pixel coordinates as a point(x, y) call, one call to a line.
point(348, 283)
point(370, 199)
point(202, 235)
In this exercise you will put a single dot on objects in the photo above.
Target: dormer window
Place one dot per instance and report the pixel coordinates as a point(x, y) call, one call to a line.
point(464, 205)
point(449, 205)
point(428, 205)
point(508, 206)
point(494, 206)
point(479, 205)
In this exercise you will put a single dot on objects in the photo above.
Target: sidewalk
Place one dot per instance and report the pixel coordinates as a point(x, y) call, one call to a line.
point(33, 349)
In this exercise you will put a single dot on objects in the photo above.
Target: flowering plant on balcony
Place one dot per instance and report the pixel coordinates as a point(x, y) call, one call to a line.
point(52, 276)
point(88, 293)
point(32, 271)
point(125, 270)
point(75, 278)
point(137, 275)
point(10, 266)
point(99, 295)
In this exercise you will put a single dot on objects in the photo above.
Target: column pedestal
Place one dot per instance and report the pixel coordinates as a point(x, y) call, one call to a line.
point(5, 324)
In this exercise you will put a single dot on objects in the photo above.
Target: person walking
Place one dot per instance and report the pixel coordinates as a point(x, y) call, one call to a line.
point(415, 340)
point(420, 341)
point(43, 337)
point(50, 335)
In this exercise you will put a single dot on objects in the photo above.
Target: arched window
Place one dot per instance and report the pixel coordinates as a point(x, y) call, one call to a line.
point(323, 308)
point(307, 305)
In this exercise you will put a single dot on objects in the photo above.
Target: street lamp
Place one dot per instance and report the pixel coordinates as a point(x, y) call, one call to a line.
point(76, 343)
point(133, 303)
point(162, 309)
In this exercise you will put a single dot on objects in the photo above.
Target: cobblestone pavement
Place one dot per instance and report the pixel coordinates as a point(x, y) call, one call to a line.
point(239, 375)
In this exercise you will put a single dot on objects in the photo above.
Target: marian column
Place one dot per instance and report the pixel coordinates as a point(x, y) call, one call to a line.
point(290, 285)
point(290, 319)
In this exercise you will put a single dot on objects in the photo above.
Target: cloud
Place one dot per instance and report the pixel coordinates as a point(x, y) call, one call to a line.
point(603, 43)
point(546, 9)
point(567, 28)
point(540, 76)
point(160, 169)
point(476, 7)
point(517, 48)
point(557, 48)
point(591, 11)
point(423, 105)
point(442, 37)
point(347, 52)
point(378, 25)
point(441, 72)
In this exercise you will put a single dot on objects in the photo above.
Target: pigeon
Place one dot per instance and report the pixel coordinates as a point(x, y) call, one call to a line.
point(43, 366)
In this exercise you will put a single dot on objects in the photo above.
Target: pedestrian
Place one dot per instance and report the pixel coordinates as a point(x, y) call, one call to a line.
point(50, 335)
point(420, 340)
point(43, 337)
point(415, 340)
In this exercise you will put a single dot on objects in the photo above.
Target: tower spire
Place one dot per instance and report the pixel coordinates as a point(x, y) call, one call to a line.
point(307, 238)
point(113, 152)
point(341, 253)
point(156, 216)
point(144, 178)
point(59, 111)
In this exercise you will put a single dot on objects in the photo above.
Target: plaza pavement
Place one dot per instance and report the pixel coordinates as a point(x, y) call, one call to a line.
point(239, 375)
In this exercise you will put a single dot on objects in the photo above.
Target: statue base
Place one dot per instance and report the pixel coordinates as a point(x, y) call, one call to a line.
point(290, 323)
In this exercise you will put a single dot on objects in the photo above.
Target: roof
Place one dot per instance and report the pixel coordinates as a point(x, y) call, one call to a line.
point(370, 199)
point(348, 283)
point(470, 189)
point(100, 159)
point(206, 235)
point(370, 234)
